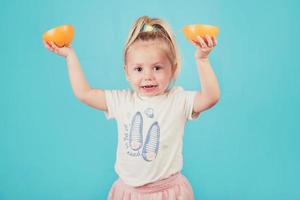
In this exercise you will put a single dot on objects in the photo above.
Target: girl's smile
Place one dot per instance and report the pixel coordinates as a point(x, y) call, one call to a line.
point(148, 89)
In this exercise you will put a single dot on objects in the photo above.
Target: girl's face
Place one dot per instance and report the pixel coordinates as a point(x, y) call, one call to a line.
point(148, 68)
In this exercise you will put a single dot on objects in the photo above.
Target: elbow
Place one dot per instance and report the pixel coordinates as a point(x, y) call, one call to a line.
point(217, 96)
point(212, 102)
point(81, 96)
point(215, 99)
point(214, 95)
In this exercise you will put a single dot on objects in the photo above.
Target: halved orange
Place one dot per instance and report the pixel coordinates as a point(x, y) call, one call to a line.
point(61, 35)
point(192, 31)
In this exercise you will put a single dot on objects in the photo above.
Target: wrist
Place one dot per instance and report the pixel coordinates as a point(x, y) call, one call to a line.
point(202, 60)
point(70, 53)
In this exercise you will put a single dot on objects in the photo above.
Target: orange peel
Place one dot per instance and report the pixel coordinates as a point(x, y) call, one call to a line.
point(61, 35)
point(192, 31)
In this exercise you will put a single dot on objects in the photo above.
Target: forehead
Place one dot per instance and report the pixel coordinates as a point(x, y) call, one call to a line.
point(141, 51)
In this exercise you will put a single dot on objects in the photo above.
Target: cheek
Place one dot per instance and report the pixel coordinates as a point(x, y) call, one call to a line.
point(163, 79)
point(166, 76)
point(134, 79)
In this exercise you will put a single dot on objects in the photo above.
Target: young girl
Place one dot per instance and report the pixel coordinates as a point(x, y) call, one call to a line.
point(152, 116)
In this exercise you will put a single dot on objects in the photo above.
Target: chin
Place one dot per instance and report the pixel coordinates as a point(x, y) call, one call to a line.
point(152, 94)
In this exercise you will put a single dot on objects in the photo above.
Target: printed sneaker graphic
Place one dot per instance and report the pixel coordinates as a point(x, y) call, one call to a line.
point(151, 145)
point(136, 132)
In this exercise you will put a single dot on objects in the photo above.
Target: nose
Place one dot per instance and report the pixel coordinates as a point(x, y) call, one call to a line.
point(148, 75)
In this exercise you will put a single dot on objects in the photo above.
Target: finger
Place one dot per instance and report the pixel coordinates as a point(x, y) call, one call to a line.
point(209, 41)
point(55, 48)
point(214, 40)
point(49, 47)
point(46, 44)
point(201, 42)
point(195, 43)
point(53, 45)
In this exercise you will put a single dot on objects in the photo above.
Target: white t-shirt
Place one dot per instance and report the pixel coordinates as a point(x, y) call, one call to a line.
point(150, 133)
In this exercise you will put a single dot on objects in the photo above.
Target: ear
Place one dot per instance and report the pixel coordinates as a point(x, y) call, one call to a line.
point(174, 72)
point(126, 72)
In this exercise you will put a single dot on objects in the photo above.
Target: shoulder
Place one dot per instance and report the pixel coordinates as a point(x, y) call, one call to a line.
point(177, 91)
point(123, 94)
point(181, 95)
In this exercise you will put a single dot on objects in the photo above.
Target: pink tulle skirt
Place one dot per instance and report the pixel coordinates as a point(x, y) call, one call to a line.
point(176, 187)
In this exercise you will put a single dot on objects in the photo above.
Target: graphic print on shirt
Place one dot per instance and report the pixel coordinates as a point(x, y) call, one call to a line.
point(149, 112)
point(151, 145)
point(134, 136)
point(136, 132)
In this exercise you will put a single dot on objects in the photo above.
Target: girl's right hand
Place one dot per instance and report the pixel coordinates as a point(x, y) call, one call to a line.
point(61, 51)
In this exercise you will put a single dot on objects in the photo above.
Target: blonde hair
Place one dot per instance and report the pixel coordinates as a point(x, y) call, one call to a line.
point(160, 30)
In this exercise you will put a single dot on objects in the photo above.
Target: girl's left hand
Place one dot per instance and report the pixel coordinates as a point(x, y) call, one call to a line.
point(204, 46)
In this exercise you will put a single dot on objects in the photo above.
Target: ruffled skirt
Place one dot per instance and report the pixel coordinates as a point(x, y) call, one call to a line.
point(176, 187)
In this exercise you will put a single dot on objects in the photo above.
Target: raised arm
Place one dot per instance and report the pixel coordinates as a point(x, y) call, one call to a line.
point(210, 91)
point(92, 97)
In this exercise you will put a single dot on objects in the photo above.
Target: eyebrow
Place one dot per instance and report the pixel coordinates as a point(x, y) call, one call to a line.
point(155, 63)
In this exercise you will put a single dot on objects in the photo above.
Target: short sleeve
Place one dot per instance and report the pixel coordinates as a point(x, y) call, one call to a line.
point(186, 98)
point(116, 101)
point(189, 105)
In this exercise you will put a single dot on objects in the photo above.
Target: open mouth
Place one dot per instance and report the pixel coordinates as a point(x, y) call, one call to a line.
point(148, 86)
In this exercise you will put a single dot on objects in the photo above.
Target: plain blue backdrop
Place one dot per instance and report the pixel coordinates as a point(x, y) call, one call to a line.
point(53, 147)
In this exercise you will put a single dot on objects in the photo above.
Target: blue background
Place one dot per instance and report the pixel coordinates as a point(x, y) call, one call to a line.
point(54, 147)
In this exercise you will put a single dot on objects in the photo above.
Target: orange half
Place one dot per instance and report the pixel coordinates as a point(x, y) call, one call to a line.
point(61, 35)
point(192, 31)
